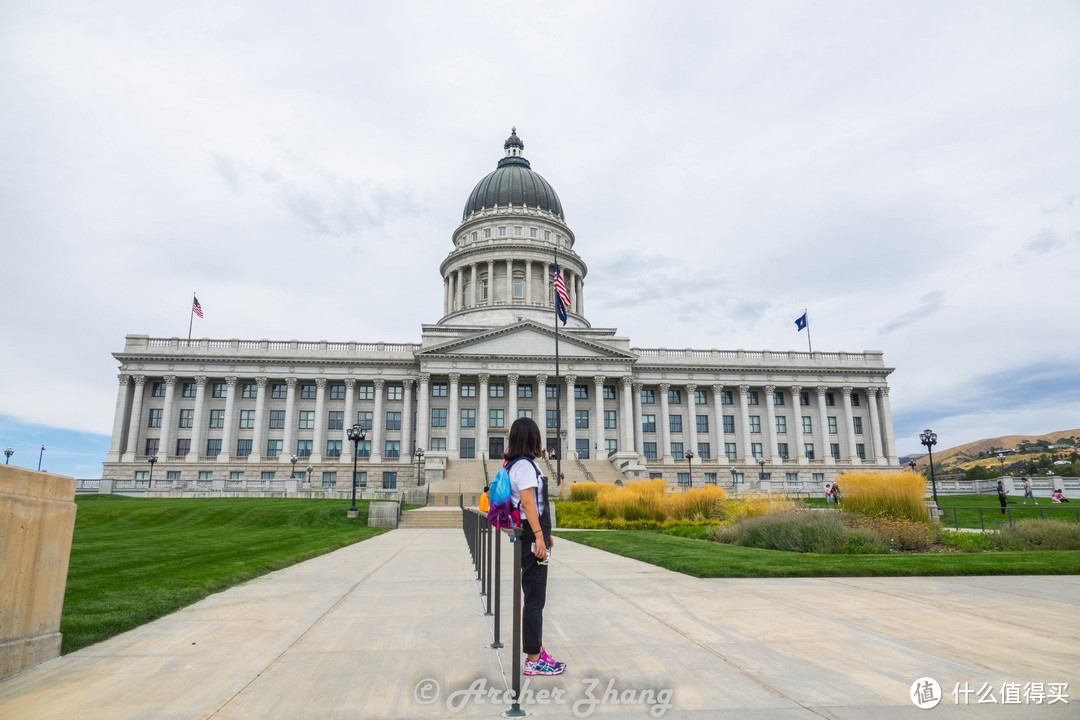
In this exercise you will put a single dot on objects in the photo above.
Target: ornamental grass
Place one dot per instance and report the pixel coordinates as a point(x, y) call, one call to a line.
point(893, 495)
point(755, 503)
point(649, 500)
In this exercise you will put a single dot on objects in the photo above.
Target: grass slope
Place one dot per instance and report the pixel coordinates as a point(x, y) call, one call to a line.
point(134, 560)
point(706, 559)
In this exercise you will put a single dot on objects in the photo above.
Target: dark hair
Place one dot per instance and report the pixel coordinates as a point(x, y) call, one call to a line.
point(524, 440)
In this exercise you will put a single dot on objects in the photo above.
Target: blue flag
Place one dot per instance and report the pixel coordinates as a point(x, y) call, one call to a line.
point(800, 323)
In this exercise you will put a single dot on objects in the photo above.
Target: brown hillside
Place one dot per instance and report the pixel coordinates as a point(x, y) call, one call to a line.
point(963, 453)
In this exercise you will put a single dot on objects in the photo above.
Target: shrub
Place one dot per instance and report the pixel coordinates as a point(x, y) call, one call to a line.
point(968, 541)
point(755, 503)
point(580, 492)
point(897, 535)
point(898, 496)
point(723, 533)
point(864, 541)
point(696, 503)
point(648, 500)
point(795, 532)
point(1037, 534)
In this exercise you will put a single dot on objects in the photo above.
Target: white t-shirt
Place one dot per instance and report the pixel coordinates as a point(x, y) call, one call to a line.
point(523, 476)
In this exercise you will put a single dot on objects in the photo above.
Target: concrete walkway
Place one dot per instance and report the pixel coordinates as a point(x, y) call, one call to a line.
point(394, 628)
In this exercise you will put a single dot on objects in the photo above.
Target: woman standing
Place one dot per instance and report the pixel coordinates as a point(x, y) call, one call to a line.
point(529, 492)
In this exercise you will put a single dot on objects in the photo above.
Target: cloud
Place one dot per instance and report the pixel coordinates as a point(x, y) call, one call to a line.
point(1062, 205)
point(930, 303)
point(1043, 242)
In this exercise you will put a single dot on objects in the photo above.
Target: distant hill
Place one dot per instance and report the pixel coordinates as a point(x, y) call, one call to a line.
point(984, 452)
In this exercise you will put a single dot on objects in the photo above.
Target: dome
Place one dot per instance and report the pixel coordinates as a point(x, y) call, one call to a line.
point(513, 183)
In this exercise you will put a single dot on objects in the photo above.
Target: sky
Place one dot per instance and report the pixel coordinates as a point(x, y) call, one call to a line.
point(906, 172)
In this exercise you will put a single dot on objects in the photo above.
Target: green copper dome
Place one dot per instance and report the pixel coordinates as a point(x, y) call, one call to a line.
point(513, 183)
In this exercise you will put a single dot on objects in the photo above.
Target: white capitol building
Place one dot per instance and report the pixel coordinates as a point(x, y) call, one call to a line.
point(231, 415)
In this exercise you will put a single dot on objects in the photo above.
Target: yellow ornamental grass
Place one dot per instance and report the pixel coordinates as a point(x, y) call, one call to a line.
point(580, 492)
point(754, 503)
point(894, 495)
point(649, 500)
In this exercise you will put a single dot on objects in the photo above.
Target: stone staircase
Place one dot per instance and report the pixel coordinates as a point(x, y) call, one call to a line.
point(431, 517)
point(463, 477)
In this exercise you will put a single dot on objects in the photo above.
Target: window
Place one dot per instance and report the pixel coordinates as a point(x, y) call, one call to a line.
point(737, 478)
point(609, 392)
point(468, 418)
point(249, 390)
point(273, 448)
point(552, 419)
point(217, 418)
point(393, 449)
point(518, 231)
point(213, 447)
point(157, 389)
point(206, 474)
point(704, 451)
point(497, 418)
point(581, 418)
point(307, 420)
point(674, 397)
point(808, 450)
point(183, 446)
point(703, 423)
point(519, 287)
point(393, 421)
point(860, 450)
point(497, 391)
point(363, 449)
point(781, 450)
point(807, 424)
point(141, 474)
point(858, 425)
point(467, 448)
point(360, 478)
point(609, 419)
point(830, 399)
point(247, 419)
point(647, 397)
point(755, 450)
point(269, 474)
point(277, 419)
point(675, 423)
point(525, 414)
point(729, 424)
point(778, 397)
point(243, 448)
point(752, 397)
point(791, 478)
point(335, 420)
point(726, 397)
point(329, 478)
point(333, 448)
point(648, 423)
point(389, 480)
point(854, 399)
point(611, 446)
point(818, 477)
point(581, 392)
point(583, 448)
point(547, 234)
point(365, 419)
point(487, 233)
point(683, 479)
point(188, 390)
point(834, 449)
point(525, 391)
point(729, 450)
point(650, 450)
point(279, 391)
point(307, 392)
point(219, 390)
point(804, 398)
point(781, 424)
point(438, 390)
point(468, 389)
point(552, 391)
point(558, 239)
point(701, 397)
point(755, 423)
point(365, 392)
point(710, 478)
point(438, 417)
point(502, 231)
point(438, 444)
point(236, 474)
point(337, 392)
point(676, 450)
point(832, 425)
point(394, 392)
point(154, 419)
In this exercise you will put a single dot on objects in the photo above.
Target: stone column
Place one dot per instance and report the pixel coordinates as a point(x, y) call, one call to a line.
point(768, 433)
point(120, 419)
point(405, 455)
point(452, 278)
point(423, 411)
point(136, 419)
point(229, 424)
point(259, 437)
point(889, 440)
point(318, 441)
point(348, 422)
point(482, 416)
point(509, 281)
point(598, 401)
point(512, 398)
point(167, 421)
point(541, 407)
point(446, 294)
point(823, 426)
point(568, 280)
point(718, 413)
point(453, 420)
point(547, 283)
point(796, 424)
point(581, 295)
point(744, 420)
point(292, 421)
point(491, 282)
point(848, 420)
point(626, 410)
point(570, 452)
point(197, 422)
point(472, 291)
point(665, 425)
point(691, 412)
point(875, 426)
point(528, 282)
point(378, 421)
point(639, 436)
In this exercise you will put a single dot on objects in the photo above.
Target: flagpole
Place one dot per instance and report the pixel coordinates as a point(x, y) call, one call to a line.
point(809, 344)
point(558, 385)
point(191, 314)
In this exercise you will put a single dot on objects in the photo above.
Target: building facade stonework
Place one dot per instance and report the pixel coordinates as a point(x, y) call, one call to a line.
point(237, 414)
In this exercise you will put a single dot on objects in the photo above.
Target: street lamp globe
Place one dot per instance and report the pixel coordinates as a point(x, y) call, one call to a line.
point(356, 434)
point(929, 438)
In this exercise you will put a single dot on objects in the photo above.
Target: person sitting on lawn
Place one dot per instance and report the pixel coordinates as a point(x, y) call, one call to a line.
point(1058, 497)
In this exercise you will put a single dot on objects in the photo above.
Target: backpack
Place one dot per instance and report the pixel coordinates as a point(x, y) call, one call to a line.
point(501, 510)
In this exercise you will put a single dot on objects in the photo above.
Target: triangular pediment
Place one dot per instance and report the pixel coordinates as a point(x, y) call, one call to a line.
point(525, 339)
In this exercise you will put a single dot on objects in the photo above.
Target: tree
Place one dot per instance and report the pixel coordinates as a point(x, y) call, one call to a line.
point(980, 472)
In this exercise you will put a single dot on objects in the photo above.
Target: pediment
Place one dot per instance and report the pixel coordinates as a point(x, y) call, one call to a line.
point(525, 340)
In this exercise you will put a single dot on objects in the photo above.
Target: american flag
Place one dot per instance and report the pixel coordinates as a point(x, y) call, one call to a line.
point(196, 307)
point(562, 298)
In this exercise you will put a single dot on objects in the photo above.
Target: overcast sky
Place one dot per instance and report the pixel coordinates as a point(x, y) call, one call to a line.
point(908, 172)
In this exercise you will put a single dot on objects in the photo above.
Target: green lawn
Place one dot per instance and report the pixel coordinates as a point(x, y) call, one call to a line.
point(702, 558)
point(135, 560)
point(991, 515)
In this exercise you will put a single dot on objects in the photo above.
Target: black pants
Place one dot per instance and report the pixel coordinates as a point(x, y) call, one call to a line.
point(533, 589)
point(1002, 499)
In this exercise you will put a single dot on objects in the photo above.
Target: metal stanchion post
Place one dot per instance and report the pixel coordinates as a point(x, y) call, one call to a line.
point(485, 561)
point(498, 586)
point(487, 553)
point(515, 710)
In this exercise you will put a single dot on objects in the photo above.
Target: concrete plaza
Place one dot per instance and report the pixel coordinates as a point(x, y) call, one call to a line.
point(394, 627)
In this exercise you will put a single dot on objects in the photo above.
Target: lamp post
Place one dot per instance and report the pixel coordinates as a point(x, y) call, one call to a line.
point(761, 461)
point(1001, 459)
point(734, 475)
point(911, 464)
point(293, 460)
point(309, 469)
point(356, 433)
point(419, 456)
point(8, 452)
point(40, 454)
point(690, 469)
point(152, 459)
point(929, 438)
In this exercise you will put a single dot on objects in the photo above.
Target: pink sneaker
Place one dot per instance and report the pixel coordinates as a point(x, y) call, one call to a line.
point(545, 658)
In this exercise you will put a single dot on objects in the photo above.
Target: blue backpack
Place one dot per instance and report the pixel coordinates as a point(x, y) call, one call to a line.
point(501, 510)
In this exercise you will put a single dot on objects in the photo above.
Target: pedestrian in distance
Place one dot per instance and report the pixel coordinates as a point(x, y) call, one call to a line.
point(1028, 493)
point(1002, 494)
point(1058, 497)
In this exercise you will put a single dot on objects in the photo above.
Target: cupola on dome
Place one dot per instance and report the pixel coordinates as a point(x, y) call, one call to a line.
point(513, 182)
